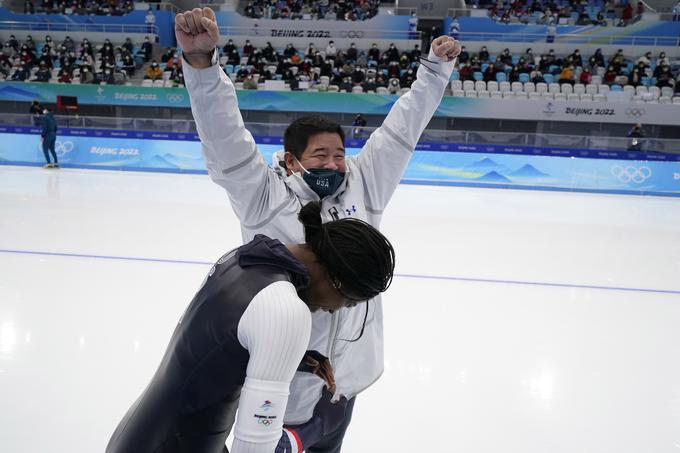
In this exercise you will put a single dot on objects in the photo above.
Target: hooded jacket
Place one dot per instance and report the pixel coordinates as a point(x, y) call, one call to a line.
point(267, 201)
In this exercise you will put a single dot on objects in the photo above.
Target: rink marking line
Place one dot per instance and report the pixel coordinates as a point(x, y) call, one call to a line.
point(427, 277)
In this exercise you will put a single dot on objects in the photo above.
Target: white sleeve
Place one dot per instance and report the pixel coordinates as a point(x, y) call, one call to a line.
point(384, 158)
point(231, 155)
point(275, 329)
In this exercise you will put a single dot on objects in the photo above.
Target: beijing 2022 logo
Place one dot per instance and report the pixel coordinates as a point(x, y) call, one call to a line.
point(629, 173)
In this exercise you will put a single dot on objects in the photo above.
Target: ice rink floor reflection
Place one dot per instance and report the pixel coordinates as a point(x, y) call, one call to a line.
point(521, 321)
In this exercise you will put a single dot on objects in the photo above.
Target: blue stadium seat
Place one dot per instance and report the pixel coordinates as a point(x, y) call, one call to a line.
point(549, 78)
point(616, 87)
point(646, 81)
point(492, 58)
point(455, 75)
point(484, 66)
point(229, 68)
point(478, 76)
point(524, 78)
point(515, 59)
point(501, 77)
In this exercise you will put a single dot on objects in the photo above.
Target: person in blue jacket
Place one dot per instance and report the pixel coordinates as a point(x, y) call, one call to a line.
point(49, 137)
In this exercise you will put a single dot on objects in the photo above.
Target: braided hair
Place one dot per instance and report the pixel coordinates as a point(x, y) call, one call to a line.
point(357, 257)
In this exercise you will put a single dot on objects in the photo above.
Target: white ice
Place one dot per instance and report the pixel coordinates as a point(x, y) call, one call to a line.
point(525, 346)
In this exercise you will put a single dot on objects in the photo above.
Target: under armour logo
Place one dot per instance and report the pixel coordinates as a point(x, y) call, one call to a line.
point(351, 211)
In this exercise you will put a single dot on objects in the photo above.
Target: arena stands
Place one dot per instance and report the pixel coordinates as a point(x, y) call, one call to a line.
point(312, 9)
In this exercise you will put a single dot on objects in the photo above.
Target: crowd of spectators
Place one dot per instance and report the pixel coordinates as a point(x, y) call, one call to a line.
point(312, 9)
point(83, 7)
point(330, 68)
point(69, 62)
point(616, 69)
point(553, 12)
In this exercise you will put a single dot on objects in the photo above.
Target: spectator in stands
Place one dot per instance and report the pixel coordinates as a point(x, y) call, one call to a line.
point(393, 86)
point(513, 75)
point(30, 43)
point(536, 76)
point(465, 72)
point(665, 78)
point(601, 20)
point(331, 51)
point(413, 26)
point(248, 48)
point(551, 33)
point(22, 72)
point(13, 43)
point(676, 12)
point(28, 7)
point(639, 10)
point(583, 18)
point(576, 59)
point(454, 28)
point(646, 60)
point(490, 73)
point(87, 76)
point(626, 14)
point(154, 72)
point(609, 76)
point(146, 49)
point(129, 65)
point(567, 75)
point(36, 112)
point(636, 133)
point(243, 72)
point(249, 83)
point(374, 52)
point(150, 21)
point(108, 77)
point(663, 59)
point(635, 78)
point(45, 59)
point(586, 76)
point(484, 55)
point(65, 74)
point(359, 121)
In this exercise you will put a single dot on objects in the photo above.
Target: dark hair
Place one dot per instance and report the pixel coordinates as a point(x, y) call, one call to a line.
point(297, 134)
point(358, 258)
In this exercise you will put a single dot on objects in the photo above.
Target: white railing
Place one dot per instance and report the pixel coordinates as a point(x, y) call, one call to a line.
point(351, 132)
point(74, 27)
point(619, 40)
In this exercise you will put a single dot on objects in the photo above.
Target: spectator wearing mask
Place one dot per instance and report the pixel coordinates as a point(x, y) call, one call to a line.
point(146, 49)
point(150, 21)
point(36, 112)
point(153, 72)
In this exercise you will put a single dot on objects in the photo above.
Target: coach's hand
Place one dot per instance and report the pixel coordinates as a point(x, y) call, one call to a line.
point(197, 35)
point(445, 47)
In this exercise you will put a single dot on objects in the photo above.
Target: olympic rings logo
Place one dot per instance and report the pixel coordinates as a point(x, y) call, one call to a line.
point(264, 421)
point(63, 148)
point(174, 98)
point(628, 174)
point(634, 112)
point(352, 34)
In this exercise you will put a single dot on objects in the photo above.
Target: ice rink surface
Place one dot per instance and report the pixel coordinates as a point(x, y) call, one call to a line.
point(520, 321)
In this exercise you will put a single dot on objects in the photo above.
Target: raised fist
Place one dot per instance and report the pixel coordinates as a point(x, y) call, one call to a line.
point(197, 31)
point(446, 48)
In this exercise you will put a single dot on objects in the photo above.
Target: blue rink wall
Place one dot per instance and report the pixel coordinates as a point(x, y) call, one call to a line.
point(469, 168)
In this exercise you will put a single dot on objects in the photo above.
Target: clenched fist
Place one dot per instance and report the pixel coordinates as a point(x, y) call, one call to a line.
point(197, 35)
point(446, 48)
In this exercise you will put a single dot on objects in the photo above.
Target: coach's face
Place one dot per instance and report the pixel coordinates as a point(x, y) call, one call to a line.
point(324, 150)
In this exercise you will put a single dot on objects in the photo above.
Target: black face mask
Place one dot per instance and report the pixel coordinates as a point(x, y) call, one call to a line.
point(323, 181)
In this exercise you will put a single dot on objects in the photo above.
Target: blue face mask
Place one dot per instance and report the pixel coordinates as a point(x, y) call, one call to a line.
point(322, 181)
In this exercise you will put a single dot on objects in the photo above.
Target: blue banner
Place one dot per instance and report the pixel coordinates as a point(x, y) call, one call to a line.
point(479, 169)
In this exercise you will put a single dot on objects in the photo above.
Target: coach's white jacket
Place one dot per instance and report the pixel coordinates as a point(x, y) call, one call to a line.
point(267, 201)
